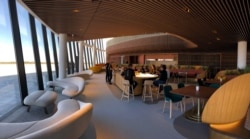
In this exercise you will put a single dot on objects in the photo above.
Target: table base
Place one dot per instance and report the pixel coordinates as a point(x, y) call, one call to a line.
point(193, 114)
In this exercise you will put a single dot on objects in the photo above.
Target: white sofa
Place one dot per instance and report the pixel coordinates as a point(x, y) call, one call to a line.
point(86, 74)
point(69, 122)
point(72, 86)
point(40, 98)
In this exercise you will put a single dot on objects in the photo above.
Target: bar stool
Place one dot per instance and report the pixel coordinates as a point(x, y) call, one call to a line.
point(126, 90)
point(147, 90)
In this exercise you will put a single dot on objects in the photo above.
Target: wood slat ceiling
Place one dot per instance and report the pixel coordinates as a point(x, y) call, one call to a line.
point(214, 25)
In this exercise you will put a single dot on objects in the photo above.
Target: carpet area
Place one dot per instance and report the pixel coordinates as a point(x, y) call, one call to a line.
point(116, 119)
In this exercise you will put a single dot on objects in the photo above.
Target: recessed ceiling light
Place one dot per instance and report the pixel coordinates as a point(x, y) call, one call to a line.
point(217, 38)
point(76, 11)
point(188, 10)
point(214, 31)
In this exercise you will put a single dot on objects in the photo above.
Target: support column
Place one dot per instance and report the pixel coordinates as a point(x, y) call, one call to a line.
point(81, 56)
point(122, 59)
point(62, 55)
point(242, 55)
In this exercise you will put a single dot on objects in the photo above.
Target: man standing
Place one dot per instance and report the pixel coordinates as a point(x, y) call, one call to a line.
point(129, 74)
point(109, 73)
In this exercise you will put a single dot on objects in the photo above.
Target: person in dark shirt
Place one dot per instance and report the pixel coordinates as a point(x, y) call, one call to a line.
point(142, 70)
point(146, 69)
point(129, 74)
point(162, 76)
point(108, 73)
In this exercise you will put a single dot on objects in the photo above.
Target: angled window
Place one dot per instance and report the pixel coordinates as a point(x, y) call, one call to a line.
point(28, 53)
point(51, 53)
point(9, 86)
point(40, 41)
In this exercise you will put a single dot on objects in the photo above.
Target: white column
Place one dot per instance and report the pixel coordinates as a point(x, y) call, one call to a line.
point(62, 55)
point(81, 57)
point(242, 55)
point(122, 59)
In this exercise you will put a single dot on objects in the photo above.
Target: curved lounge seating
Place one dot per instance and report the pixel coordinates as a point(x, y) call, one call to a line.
point(86, 74)
point(40, 98)
point(72, 86)
point(229, 104)
point(69, 122)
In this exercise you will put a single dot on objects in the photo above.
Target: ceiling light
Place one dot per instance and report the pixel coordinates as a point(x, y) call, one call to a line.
point(187, 10)
point(76, 11)
point(214, 31)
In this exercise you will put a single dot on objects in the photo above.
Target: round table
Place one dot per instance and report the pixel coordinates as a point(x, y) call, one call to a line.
point(190, 91)
point(140, 78)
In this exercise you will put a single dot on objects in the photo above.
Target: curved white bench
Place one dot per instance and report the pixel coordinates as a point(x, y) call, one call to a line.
point(69, 122)
point(72, 86)
point(40, 98)
point(86, 74)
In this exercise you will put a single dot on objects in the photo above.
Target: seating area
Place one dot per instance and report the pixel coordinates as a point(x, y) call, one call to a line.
point(98, 68)
point(86, 74)
point(234, 86)
point(40, 98)
point(70, 121)
point(185, 73)
point(191, 62)
point(72, 86)
point(137, 108)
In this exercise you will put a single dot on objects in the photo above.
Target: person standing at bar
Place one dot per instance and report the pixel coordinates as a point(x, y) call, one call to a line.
point(129, 74)
point(109, 73)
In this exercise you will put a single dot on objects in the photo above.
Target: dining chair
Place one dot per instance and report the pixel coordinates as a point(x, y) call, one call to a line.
point(171, 98)
point(126, 90)
point(147, 90)
point(214, 85)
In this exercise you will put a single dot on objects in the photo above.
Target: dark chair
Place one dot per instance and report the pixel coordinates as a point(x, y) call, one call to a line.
point(180, 85)
point(171, 98)
point(213, 85)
